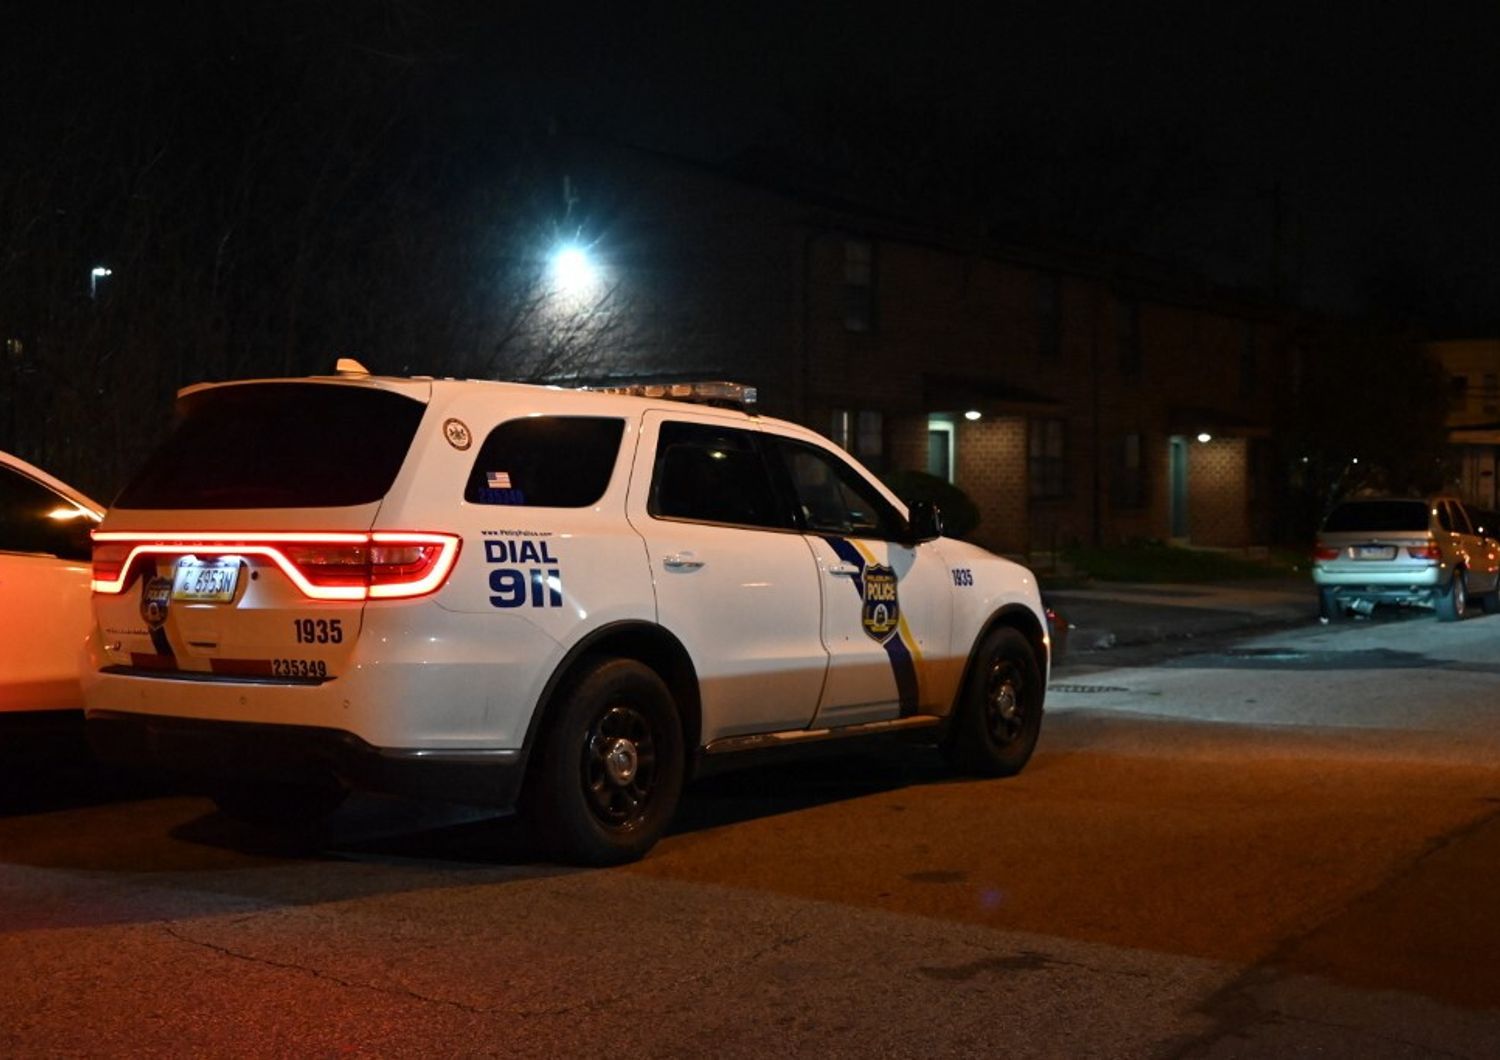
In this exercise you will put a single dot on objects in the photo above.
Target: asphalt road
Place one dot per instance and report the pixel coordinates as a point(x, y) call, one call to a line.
point(1283, 846)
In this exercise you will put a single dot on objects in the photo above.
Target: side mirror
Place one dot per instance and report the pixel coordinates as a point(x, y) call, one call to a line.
point(926, 521)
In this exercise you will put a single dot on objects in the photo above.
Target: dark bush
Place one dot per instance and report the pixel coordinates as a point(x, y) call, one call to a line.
point(960, 515)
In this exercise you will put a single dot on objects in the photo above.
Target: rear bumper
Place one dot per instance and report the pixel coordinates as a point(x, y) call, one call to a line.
point(1395, 581)
point(226, 750)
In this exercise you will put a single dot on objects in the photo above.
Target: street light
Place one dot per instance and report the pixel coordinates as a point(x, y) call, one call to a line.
point(1205, 437)
point(972, 415)
point(97, 273)
point(574, 272)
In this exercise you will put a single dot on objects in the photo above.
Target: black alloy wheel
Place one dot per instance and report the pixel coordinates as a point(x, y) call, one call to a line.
point(619, 766)
point(999, 715)
point(1004, 705)
point(608, 766)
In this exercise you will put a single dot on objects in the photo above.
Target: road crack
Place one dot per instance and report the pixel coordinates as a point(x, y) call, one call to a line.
point(317, 973)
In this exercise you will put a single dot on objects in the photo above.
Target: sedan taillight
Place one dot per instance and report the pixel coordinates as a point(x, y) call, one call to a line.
point(1324, 554)
point(1431, 552)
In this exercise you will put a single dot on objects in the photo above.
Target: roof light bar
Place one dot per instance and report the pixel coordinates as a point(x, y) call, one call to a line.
point(716, 392)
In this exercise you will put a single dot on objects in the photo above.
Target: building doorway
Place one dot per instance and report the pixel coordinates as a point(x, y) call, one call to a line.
point(1177, 482)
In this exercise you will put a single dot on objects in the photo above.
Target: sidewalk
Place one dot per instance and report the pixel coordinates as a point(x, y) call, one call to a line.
point(1108, 615)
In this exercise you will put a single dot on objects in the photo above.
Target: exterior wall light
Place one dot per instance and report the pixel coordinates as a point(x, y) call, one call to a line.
point(972, 415)
point(1204, 436)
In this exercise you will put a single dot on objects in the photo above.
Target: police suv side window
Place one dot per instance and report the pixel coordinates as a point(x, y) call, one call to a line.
point(546, 462)
point(834, 498)
point(33, 519)
point(711, 474)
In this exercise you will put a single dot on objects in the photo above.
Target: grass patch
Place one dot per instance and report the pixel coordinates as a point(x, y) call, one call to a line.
point(1154, 562)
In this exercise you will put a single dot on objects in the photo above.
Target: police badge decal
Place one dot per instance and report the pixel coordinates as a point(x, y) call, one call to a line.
point(882, 611)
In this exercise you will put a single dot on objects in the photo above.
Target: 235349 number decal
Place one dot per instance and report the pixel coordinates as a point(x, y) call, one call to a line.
point(299, 668)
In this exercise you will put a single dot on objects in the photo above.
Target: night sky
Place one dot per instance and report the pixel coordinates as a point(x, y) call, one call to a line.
point(1349, 161)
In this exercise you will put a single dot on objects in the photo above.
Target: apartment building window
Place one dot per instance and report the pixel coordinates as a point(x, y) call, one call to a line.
point(1047, 463)
point(859, 285)
point(1048, 316)
point(1128, 336)
point(1489, 394)
point(1249, 368)
point(1128, 484)
point(1458, 391)
point(860, 433)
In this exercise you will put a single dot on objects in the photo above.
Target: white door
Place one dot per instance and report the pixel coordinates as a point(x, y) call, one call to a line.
point(887, 602)
point(735, 580)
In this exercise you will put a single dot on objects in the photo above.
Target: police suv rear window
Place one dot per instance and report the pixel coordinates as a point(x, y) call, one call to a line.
point(278, 445)
point(546, 462)
point(1360, 516)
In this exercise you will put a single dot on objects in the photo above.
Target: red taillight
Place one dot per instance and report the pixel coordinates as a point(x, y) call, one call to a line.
point(1324, 554)
point(324, 566)
point(109, 562)
point(329, 565)
point(1424, 552)
point(403, 565)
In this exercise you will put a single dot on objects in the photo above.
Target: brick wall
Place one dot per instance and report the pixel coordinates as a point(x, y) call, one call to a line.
point(906, 443)
point(990, 459)
point(1218, 512)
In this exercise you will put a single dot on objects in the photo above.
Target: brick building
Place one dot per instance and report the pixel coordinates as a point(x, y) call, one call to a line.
point(1473, 370)
point(1075, 397)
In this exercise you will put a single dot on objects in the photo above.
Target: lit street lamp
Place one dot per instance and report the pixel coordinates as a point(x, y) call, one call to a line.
point(97, 273)
point(574, 272)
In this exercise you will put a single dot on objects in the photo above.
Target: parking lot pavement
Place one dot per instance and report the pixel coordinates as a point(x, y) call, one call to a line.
point(1108, 616)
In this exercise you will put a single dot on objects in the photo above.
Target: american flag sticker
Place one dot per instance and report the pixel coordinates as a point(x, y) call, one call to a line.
point(497, 480)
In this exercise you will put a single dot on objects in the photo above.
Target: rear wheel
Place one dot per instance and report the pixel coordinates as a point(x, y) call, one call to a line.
point(1330, 609)
point(609, 768)
point(1453, 604)
point(1000, 714)
point(280, 807)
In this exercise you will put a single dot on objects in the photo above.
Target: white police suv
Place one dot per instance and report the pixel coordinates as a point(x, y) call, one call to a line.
point(564, 601)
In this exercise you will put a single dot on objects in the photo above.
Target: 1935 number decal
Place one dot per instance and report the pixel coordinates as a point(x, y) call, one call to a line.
point(319, 630)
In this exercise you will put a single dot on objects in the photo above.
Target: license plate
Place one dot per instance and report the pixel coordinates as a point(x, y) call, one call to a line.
point(212, 580)
point(1375, 552)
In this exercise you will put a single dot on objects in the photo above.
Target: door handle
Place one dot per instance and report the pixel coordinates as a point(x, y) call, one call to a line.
point(681, 561)
point(844, 568)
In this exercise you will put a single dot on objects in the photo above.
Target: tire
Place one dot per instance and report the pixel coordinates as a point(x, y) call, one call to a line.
point(609, 766)
point(1453, 604)
point(999, 715)
point(280, 807)
point(1330, 609)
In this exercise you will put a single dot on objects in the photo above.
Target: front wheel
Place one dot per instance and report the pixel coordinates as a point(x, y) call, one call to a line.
point(610, 766)
point(1452, 604)
point(999, 715)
